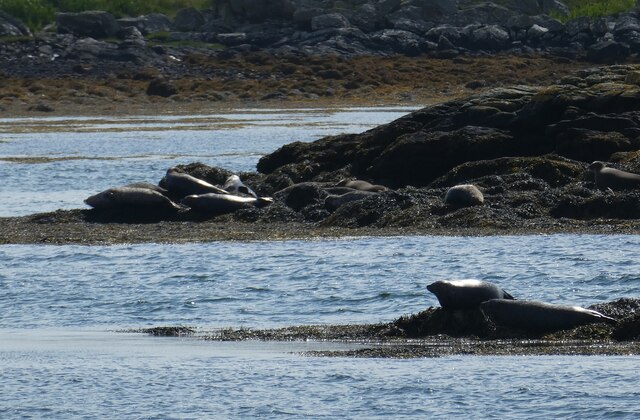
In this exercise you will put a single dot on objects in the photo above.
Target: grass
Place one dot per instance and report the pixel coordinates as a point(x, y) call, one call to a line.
point(594, 8)
point(38, 13)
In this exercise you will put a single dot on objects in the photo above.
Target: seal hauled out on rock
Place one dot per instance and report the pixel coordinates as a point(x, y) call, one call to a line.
point(332, 202)
point(234, 185)
point(126, 198)
point(613, 178)
point(467, 293)
point(181, 184)
point(214, 204)
point(464, 195)
point(539, 316)
point(361, 185)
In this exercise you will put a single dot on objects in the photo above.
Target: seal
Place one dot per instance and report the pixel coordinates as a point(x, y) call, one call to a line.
point(465, 294)
point(464, 195)
point(360, 185)
point(181, 184)
point(234, 185)
point(214, 204)
point(148, 186)
point(332, 202)
point(537, 316)
point(127, 198)
point(613, 178)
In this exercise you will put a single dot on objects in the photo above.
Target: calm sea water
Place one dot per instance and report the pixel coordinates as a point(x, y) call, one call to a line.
point(60, 306)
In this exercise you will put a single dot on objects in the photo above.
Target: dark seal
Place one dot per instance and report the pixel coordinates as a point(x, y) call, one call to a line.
point(537, 316)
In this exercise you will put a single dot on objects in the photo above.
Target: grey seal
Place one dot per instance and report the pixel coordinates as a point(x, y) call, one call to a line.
point(467, 293)
point(332, 202)
point(234, 185)
point(361, 185)
point(464, 195)
point(148, 186)
point(181, 184)
point(613, 178)
point(539, 316)
point(212, 203)
point(125, 198)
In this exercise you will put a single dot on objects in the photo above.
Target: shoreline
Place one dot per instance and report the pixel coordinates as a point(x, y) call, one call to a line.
point(70, 227)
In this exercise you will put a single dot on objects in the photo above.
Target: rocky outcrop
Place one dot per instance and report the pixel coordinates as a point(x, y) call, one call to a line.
point(587, 117)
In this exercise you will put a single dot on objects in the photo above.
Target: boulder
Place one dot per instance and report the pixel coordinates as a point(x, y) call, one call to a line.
point(188, 20)
point(161, 87)
point(366, 18)
point(147, 24)
point(608, 52)
point(483, 14)
point(554, 7)
point(490, 37)
point(10, 26)
point(93, 24)
point(403, 42)
point(330, 20)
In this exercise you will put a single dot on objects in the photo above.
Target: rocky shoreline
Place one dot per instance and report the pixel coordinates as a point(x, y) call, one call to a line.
point(526, 148)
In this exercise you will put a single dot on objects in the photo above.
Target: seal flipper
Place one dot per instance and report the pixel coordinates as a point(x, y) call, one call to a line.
point(507, 296)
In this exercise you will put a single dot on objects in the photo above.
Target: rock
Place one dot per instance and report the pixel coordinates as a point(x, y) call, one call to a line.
point(299, 196)
point(330, 20)
point(161, 87)
point(147, 24)
point(403, 42)
point(491, 37)
point(188, 20)
point(232, 39)
point(554, 7)
point(608, 52)
point(384, 7)
point(11, 26)
point(366, 18)
point(483, 14)
point(93, 24)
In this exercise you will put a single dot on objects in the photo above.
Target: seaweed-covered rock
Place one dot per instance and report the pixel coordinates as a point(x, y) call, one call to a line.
point(593, 118)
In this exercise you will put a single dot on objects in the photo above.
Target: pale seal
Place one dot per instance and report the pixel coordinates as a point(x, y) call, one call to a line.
point(234, 185)
point(360, 185)
point(181, 184)
point(126, 198)
point(539, 316)
point(212, 203)
point(464, 195)
point(613, 178)
point(465, 294)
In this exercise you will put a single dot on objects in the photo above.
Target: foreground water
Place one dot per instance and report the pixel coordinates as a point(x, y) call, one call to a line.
point(59, 357)
point(60, 306)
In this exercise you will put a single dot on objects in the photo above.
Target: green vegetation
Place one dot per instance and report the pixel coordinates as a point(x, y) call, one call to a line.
point(595, 8)
point(37, 13)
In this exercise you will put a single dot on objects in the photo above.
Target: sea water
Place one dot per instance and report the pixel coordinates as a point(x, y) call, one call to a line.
point(62, 307)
